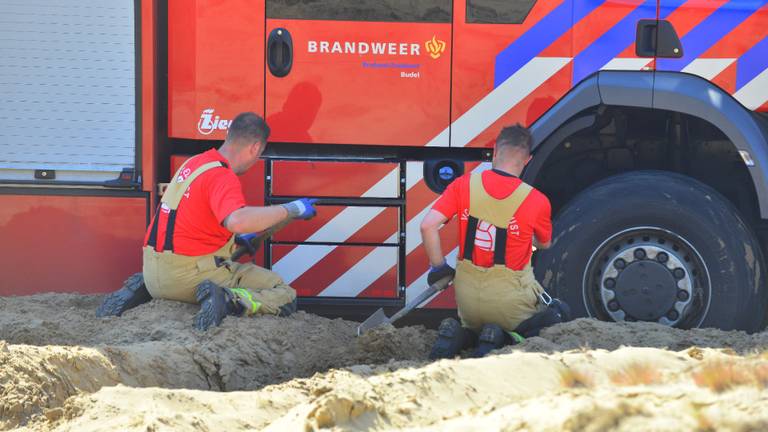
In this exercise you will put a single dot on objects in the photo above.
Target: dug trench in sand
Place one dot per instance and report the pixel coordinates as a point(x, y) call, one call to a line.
point(63, 369)
point(55, 347)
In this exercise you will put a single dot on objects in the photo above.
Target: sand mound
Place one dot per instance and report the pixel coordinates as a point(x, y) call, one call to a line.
point(155, 345)
point(515, 391)
point(63, 369)
point(588, 333)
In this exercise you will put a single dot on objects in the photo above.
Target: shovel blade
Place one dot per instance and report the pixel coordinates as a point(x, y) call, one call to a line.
point(378, 318)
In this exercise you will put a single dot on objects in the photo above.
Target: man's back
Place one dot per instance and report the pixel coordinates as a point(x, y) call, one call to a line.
point(532, 218)
point(211, 197)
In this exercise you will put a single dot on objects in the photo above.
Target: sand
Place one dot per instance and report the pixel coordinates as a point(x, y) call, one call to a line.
point(63, 369)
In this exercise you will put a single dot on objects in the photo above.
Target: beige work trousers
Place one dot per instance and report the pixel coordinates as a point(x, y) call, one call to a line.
point(175, 277)
point(495, 295)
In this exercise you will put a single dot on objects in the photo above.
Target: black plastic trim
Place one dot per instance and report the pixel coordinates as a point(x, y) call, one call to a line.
point(138, 80)
point(671, 91)
point(280, 44)
point(550, 144)
point(38, 191)
point(104, 185)
point(645, 38)
point(668, 43)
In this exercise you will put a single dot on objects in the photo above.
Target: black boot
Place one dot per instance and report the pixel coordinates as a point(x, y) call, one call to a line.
point(557, 312)
point(492, 337)
point(563, 310)
point(132, 294)
point(215, 303)
point(288, 309)
point(451, 339)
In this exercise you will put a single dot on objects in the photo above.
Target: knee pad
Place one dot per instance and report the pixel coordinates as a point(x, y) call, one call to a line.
point(450, 340)
point(557, 311)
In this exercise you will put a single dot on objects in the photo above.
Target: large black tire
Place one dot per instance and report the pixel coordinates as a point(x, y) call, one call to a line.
point(656, 246)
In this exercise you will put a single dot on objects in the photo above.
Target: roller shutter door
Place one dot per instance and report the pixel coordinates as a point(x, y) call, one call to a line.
point(68, 89)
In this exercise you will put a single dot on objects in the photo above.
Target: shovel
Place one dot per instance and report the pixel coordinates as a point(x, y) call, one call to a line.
point(379, 318)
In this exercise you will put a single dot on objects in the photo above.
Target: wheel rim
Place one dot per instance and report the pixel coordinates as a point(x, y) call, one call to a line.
point(647, 274)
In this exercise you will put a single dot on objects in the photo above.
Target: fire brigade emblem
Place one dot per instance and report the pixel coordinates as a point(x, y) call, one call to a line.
point(435, 47)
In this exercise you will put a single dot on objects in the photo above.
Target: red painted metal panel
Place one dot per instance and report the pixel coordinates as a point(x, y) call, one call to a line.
point(215, 65)
point(339, 179)
point(334, 95)
point(86, 244)
point(475, 49)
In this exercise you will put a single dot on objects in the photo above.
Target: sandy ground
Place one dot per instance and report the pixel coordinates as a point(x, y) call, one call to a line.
point(63, 369)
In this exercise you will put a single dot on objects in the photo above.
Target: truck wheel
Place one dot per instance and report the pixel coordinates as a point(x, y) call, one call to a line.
point(656, 246)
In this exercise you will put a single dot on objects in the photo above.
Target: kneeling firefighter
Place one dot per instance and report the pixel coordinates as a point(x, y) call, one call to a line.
point(188, 245)
point(500, 219)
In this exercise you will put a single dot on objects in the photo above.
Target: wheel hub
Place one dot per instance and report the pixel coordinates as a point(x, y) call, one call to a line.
point(640, 275)
point(645, 290)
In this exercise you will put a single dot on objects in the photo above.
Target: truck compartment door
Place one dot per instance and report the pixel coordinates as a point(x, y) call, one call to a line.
point(68, 91)
point(215, 65)
point(371, 73)
point(355, 246)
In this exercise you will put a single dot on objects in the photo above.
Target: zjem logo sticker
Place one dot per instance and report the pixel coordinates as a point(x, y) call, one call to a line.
point(209, 123)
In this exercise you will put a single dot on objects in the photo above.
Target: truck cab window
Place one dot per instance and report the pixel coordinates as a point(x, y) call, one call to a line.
point(434, 11)
point(498, 11)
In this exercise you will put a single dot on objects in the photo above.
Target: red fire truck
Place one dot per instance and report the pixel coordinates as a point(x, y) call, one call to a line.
point(649, 119)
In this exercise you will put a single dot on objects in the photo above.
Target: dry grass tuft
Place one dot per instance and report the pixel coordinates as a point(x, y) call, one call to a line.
point(636, 374)
point(573, 378)
point(720, 376)
point(695, 353)
point(760, 373)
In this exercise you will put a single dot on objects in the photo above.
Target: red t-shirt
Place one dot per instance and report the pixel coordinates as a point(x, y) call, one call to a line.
point(533, 217)
point(210, 198)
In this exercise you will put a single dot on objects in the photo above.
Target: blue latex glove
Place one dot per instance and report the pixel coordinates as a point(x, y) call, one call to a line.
point(303, 208)
point(437, 274)
point(247, 241)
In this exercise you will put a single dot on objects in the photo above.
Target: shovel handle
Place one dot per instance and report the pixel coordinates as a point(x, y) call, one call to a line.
point(419, 299)
point(256, 242)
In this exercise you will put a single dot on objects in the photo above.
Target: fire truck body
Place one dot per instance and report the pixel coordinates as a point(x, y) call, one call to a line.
point(375, 106)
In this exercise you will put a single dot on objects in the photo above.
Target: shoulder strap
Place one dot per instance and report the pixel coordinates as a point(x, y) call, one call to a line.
point(482, 206)
point(498, 212)
point(174, 193)
point(171, 199)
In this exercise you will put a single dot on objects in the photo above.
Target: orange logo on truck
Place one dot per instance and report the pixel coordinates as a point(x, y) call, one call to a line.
point(434, 47)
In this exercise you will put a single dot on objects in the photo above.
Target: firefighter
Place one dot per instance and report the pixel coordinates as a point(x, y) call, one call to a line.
point(188, 245)
point(500, 218)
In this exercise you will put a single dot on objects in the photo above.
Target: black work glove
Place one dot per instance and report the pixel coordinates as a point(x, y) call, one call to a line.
point(437, 274)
